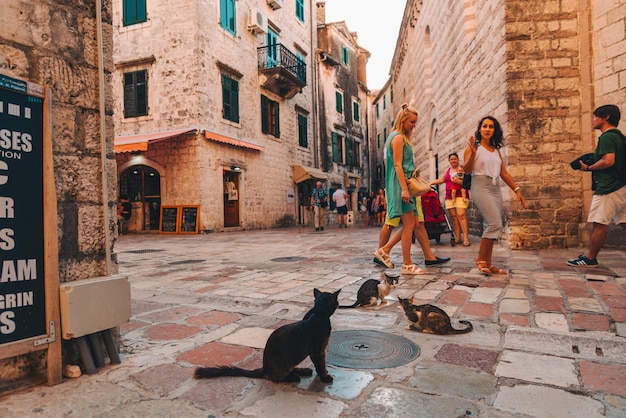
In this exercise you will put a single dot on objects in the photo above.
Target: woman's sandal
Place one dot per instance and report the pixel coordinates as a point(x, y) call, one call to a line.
point(482, 267)
point(496, 270)
point(411, 269)
point(466, 243)
point(383, 259)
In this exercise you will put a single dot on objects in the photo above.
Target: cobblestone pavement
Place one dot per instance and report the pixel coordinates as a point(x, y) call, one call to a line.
point(548, 341)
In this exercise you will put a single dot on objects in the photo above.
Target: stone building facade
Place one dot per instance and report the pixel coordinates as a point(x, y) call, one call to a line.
point(66, 47)
point(540, 68)
point(342, 100)
point(382, 115)
point(228, 123)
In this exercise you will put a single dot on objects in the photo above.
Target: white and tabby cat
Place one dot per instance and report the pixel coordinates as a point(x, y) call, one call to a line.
point(372, 290)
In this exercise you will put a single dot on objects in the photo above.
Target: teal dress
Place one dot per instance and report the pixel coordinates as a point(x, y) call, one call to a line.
point(395, 206)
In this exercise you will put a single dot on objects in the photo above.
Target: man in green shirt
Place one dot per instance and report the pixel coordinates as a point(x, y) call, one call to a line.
point(608, 203)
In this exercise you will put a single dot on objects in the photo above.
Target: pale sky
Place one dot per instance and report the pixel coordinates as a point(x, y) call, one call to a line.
point(377, 23)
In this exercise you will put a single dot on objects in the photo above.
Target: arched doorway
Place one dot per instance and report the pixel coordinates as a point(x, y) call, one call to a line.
point(142, 184)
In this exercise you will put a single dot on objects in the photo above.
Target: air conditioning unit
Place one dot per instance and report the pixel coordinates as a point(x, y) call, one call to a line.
point(257, 22)
point(275, 4)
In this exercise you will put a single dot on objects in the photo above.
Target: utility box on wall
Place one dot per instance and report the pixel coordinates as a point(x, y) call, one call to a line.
point(94, 305)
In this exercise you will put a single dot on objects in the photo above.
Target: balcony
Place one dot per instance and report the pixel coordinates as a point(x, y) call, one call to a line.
point(282, 71)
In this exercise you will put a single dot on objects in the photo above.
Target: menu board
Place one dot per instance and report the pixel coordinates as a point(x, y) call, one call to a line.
point(180, 219)
point(189, 219)
point(169, 220)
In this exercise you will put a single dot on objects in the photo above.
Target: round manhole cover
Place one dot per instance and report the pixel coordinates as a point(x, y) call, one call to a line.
point(367, 349)
point(288, 259)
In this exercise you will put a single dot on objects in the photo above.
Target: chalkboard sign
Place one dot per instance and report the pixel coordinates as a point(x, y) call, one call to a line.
point(189, 219)
point(169, 220)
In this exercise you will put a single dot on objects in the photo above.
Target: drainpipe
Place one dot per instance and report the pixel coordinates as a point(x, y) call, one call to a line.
point(105, 188)
point(314, 86)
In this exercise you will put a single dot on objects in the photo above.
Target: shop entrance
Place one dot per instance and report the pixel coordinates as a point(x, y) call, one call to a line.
point(142, 185)
point(231, 199)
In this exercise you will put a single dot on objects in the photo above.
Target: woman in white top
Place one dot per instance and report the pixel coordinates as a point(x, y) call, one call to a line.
point(483, 160)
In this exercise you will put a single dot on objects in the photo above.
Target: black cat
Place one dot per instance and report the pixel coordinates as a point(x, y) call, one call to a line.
point(289, 345)
point(371, 290)
point(430, 319)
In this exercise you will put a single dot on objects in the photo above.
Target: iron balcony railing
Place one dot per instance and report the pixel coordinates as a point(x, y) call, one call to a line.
point(278, 56)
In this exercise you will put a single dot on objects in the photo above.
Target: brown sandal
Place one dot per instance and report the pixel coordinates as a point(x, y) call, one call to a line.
point(482, 267)
point(496, 270)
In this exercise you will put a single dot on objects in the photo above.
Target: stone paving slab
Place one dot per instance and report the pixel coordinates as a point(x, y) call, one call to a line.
point(548, 340)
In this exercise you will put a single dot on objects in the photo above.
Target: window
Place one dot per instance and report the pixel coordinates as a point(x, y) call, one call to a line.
point(356, 154)
point(339, 101)
point(384, 102)
point(271, 41)
point(348, 152)
point(230, 98)
point(300, 67)
point(227, 16)
point(378, 140)
point(300, 10)
point(135, 94)
point(269, 117)
point(344, 55)
point(377, 111)
point(302, 131)
point(134, 12)
point(355, 112)
point(391, 93)
point(337, 148)
point(385, 134)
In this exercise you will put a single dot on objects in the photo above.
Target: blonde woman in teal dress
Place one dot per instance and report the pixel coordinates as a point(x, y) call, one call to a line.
point(399, 165)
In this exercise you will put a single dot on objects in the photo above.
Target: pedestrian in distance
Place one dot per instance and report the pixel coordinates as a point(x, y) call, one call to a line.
point(340, 197)
point(319, 203)
point(608, 174)
point(400, 204)
point(483, 160)
point(363, 210)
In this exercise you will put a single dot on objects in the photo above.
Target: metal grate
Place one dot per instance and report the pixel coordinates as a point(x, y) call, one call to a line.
point(141, 251)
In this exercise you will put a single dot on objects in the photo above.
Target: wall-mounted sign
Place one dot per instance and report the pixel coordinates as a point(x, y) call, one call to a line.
point(29, 271)
point(22, 289)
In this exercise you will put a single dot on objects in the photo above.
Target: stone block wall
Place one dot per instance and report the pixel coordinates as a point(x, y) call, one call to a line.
point(55, 44)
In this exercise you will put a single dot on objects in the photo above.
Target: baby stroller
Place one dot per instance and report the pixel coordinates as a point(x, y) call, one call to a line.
point(435, 218)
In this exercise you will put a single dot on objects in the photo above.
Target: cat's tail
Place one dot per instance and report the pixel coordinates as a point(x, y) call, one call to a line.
point(467, 329)
point(209, 372)
point(354, 305)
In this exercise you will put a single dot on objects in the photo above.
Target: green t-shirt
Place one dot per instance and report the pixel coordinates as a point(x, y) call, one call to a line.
point(610, 179)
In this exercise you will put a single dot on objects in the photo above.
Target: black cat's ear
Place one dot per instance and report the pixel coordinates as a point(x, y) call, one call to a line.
point(337, 292)
point(316, 293)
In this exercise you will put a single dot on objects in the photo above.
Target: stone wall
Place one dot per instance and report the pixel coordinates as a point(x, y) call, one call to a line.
point(540, 68)
point(55, 44)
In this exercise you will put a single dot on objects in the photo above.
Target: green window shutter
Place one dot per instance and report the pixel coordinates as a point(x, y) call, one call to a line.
point(344, 54)
point(227, 16)
point(230, 99)
point(276, 120)
point(133, 11)
point(300, 10)
point(391, 93)
point(335, 148)
point(348, 152)
point(264, 115)
point(302, 131)
point(129, 96)
point(377, 111)
point(142, 93)
point(355, 111)
point(339, 102)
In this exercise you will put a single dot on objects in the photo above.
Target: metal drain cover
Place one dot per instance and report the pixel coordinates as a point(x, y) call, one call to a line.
point(288, 259)
point(174, 263)
point(367, 349)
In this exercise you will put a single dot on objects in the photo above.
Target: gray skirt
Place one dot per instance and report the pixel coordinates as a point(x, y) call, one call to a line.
point(487, 198)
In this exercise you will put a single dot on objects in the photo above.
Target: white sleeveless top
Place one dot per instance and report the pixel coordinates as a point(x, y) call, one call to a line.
point(487, 163)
